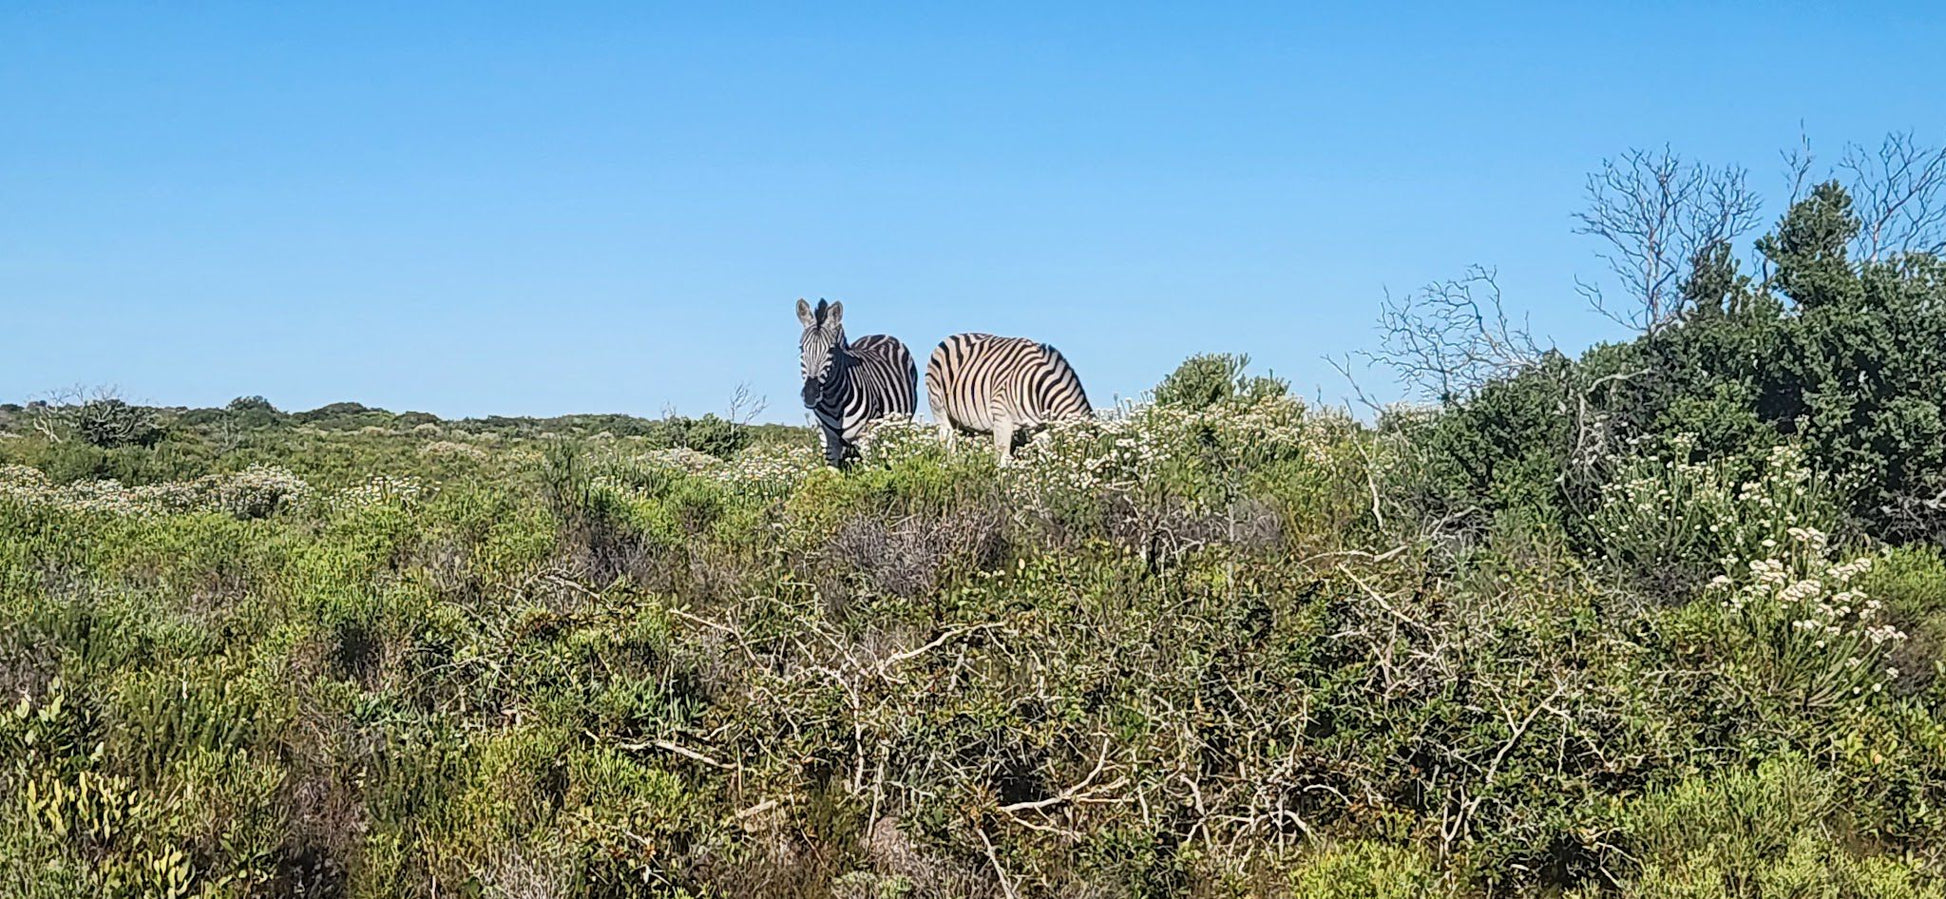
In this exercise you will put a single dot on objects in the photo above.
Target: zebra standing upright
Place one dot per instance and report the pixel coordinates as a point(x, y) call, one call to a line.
point(1004, 386)
point(849, 385)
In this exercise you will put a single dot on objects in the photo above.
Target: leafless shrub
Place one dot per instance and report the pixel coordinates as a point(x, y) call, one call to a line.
point(96, 415)
point(1655, 211)
point(27, 664)
point(446, 564)
point(600, 552)
point(911, 556)
point(924, 875)
point(1448, 339)
point(745, 406)
point(774, 863)
point(1896, 190)
point(327, 811)
point(1163, 532)
point(1917, 514)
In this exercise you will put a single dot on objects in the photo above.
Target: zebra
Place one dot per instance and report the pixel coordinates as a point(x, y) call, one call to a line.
point(850, 385)
point(1004, 386)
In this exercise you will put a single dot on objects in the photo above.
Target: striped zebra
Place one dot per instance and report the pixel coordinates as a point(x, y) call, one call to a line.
point(851, 384)
point(1004, 386)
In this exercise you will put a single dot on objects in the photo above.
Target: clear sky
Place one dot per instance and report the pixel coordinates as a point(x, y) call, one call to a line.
point(541, 208)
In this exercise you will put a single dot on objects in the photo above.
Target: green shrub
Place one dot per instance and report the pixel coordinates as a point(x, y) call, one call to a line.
point(1912, 583)
point(1205, 380)
point(1366, 870)
point(1774, 832)
point(109, 423)
point(709, 435)
point(244, 404)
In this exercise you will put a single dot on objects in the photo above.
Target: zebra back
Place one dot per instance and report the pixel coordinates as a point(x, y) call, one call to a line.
point(972, 378)
point(885, 371)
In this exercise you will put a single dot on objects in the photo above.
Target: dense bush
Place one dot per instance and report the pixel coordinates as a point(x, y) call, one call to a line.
point(709, 434)
point(1220, 648)
point(1767, 833)
point(109, 423)
point(1842, 357)
point(1207, 379)
point(251, 404)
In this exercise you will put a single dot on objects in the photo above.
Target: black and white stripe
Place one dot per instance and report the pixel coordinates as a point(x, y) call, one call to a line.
point(1004, 386)
point(849, 385)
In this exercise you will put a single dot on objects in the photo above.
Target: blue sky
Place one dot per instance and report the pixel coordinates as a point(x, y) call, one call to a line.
point(477, 208)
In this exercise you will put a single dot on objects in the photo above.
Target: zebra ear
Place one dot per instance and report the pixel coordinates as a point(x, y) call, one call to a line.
point(804, 314)
point(835, 314)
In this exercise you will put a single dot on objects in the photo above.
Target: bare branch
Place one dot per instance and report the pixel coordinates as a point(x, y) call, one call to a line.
point(1797, 166)
point(886, 665)
point(1896, 191)
point(1655, 211)
point(745, 406)
point(1448, 339)
point(1077, 793)
point(1006, 883)
point(666, 746)
point(1358, 391)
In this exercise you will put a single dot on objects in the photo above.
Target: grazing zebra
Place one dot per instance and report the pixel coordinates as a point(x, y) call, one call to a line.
point(1004, 386)
point(849, 385)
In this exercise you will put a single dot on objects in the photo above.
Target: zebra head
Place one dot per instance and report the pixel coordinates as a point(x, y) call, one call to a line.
point(823, 341)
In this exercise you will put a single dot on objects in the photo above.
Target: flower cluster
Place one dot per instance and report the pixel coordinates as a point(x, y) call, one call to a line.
point(1670, 508)
point(771, 465)
point(1113, 452)
point(1138, 445)
point(377, 490)
point(766, 468)
point(1806, 607)
point(1782, 593)
point(898, 438)
point(255, 492)
point(682, 459)
point(452, 450)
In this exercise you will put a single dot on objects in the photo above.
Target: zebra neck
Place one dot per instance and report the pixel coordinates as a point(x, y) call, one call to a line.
point(837, 386)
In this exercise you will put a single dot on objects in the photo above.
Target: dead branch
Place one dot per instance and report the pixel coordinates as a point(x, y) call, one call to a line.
point(1896, 193)
point(1077, 793)
point(1006, 885)
point(1654, 211)
point(1448, 339)
point(885, 665)
point(667, 746)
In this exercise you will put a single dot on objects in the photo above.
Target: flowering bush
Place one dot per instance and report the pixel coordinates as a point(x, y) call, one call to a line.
point(1783, 602)
point(1805, 628)
point(1166, 446)
point(377, 490)
point(1670, 518)
point(769, 469)
point(451, 449)
point(900, 438)
point(255, 492)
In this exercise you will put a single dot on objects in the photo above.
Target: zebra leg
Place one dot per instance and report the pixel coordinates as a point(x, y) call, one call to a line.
point(1003, 436)
point(834, 447)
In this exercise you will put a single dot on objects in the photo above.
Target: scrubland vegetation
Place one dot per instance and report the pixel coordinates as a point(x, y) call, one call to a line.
point(1664, 620)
